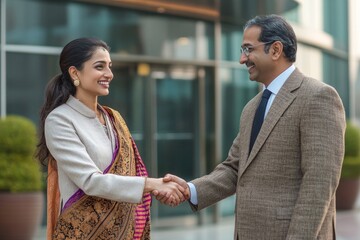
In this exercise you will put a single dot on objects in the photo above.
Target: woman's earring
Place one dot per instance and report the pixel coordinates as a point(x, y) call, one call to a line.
point(76, 82)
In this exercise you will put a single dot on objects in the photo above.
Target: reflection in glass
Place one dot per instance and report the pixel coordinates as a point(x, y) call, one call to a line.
point(126, 31)
point(25, 87)
point(237, 90)
point(176, 125)
point(231, 39)
point(127, 96)
point(336, 74)
point(337, 26)
point(176, 134)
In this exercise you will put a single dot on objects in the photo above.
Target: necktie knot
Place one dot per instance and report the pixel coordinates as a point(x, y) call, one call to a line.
point(266, 93)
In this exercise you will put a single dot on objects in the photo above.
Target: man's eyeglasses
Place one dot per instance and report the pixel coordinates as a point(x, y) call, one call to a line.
point(248, 49)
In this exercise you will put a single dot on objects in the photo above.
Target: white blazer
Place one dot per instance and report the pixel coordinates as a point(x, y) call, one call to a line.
point(78, 142)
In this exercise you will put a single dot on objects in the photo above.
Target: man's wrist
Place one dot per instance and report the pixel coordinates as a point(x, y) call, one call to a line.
point(193, 194)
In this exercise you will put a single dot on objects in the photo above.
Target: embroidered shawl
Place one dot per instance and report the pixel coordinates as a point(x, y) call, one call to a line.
point(91, 217)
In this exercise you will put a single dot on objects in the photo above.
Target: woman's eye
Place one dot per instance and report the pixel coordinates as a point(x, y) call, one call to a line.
point(99, 67)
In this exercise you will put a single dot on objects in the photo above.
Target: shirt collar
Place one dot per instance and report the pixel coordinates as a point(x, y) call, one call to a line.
point(78, 106)
point(279, 81)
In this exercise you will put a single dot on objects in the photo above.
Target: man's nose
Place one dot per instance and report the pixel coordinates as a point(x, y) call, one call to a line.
point(243, 58)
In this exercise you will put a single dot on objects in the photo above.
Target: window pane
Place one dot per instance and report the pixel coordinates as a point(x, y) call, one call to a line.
point(177, 132)
point(311, 68)
point(127, 95)
point(54, 23)
point(36, 22)
point(336, 74)
point(176, 157)
point(337, 26)
point(237, 90)
point(175, 98)
point(27, 76)
point(231, 40)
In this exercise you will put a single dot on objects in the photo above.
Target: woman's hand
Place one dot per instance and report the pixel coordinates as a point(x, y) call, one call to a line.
point(163, 198)
point(171, 192)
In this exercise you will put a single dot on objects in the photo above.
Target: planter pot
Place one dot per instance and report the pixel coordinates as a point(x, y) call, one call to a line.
point(347, 193)
point(20, 215)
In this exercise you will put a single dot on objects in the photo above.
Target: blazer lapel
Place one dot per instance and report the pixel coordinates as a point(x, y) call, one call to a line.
point(282, 101)
point(246, 121)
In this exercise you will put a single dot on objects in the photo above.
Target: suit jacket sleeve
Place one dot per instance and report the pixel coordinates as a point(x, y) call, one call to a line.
point(322, 147)
point(220, 183)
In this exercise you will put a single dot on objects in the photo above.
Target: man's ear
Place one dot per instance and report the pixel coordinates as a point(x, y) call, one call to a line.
point(276, 50)
point(73, 73)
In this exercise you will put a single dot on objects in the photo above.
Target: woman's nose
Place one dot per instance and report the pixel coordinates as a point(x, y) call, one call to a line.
point(109, 73)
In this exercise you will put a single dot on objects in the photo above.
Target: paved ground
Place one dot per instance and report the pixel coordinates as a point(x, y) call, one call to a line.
point(348, 228)
point(348, 225)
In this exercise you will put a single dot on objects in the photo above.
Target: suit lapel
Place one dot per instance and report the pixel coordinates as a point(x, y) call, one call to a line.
point(282, 101)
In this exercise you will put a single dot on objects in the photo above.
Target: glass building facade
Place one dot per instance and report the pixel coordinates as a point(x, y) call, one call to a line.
point(177, 79)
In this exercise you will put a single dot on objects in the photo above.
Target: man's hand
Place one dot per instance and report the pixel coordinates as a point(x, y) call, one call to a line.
point(164, 198)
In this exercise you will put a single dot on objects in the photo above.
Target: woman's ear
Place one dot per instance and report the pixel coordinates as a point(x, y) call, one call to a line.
point(276, 50)
point(73, 73)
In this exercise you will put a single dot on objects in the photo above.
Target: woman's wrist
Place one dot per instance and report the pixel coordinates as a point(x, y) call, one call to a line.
point(150, 184)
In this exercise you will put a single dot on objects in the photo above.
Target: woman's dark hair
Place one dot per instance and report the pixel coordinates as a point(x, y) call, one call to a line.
point(276, 28)
point(60, 87)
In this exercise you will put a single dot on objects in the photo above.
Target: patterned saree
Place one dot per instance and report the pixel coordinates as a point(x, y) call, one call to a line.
point(88, 217)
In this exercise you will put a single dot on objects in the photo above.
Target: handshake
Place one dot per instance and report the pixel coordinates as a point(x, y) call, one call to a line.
point(170, 190)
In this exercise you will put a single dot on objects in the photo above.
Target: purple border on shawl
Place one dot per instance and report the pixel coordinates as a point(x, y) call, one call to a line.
point(79, 193)
point(114, 155)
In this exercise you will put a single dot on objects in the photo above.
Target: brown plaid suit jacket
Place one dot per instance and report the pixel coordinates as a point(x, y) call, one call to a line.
point(285, 187)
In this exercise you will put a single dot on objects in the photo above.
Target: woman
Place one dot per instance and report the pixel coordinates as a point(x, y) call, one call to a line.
point(97, 183)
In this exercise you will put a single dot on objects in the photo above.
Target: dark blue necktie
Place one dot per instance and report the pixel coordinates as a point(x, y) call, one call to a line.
point(259, 117)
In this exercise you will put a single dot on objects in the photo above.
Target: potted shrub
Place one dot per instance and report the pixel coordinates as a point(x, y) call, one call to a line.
point(21, 196)
point(348, 189)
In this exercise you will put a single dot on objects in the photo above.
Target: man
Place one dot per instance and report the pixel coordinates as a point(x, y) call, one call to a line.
point(285, 183)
